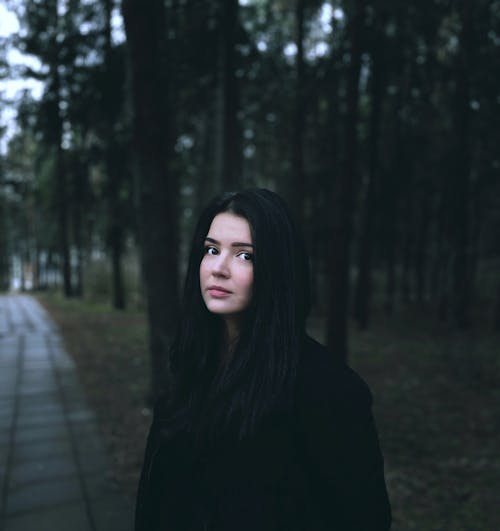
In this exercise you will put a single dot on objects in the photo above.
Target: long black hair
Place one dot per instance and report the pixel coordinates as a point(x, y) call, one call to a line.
point(260, 374)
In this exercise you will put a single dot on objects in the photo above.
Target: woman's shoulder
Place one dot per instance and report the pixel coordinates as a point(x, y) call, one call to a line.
point(324, 376)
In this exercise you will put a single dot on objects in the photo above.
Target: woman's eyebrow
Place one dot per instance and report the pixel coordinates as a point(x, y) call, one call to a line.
point(234, 244)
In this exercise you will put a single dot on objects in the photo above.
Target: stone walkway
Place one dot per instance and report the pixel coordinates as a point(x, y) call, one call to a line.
point(54, 473)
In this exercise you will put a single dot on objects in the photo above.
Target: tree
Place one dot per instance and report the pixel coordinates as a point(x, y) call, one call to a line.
point(157, 190)
point(345, 197)
point(461, 285)
point(377, 83)
point(299, 122)
point(229, 149)
point(114, 155)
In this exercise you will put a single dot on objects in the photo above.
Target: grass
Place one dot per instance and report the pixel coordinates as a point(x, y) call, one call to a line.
point(437, 405)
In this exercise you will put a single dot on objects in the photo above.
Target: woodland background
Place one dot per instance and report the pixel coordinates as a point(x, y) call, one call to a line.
point(379, 122)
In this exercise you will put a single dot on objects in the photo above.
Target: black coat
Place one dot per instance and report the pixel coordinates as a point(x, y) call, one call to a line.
point(316, 467)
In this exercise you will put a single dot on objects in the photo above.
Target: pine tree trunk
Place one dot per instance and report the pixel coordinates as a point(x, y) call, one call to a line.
point(62, 199)
point(114, 173)
point(461, 284)
point(390, 290)
point(476, 229)
point(56, 120)
point(158, 217)
point(388, 230)
point(364, 282)
point(62, 209)
point(391, 194)
point(77, 229)
point(116, 269)
point(407, 244)
point(228, 150)
point(297, 190)
point(337, 334)
point(421, 251)
point(441, 269)
point(438, 235)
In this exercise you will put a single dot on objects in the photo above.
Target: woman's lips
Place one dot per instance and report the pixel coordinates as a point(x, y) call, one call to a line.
point(218, 292)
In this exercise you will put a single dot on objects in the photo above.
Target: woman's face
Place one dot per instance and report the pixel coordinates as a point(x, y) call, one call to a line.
point(226, 270)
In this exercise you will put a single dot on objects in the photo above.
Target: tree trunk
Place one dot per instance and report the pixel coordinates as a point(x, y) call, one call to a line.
point(393, 192)
point(442, 267)
point(158, 218)
point(297, 189)
point(421, 251)
point(116, 268)
point(390, 289)
point(408, 240)
point(345, 191)
point(77, 235)
point(363, 292)
point(476, 229)
point(228, 152)
point(114, 172)
point(439, 237)
point(56, 120)
point(461, 284)
point(62, 209)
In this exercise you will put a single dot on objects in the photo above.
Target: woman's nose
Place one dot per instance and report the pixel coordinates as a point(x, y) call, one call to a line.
point(220, 266)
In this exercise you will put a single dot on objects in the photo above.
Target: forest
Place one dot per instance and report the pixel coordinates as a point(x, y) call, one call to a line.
point(379, 122)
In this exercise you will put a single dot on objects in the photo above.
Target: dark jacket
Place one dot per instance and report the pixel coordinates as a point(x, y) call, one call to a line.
point(314, 467)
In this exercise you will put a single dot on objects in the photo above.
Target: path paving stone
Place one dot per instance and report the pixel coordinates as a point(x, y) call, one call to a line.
point(54, 471)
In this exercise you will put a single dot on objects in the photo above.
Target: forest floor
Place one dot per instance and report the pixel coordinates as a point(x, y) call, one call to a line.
point(437, 406)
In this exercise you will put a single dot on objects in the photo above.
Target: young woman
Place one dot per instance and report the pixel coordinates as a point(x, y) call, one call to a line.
point(265, 429)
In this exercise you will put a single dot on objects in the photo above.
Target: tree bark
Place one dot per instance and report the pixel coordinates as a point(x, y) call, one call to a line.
point(298, 185)
point(408, 239)
point(62, 210)
point(442, 266)
point(438, 235)
point(344, 196)
point(389, 225)
point(114, 170)
point(56, 121)
point(421, 251)
point(78, 239)
point(228, 152)
point(363, 291)
point(461, 278)
point(158, 219)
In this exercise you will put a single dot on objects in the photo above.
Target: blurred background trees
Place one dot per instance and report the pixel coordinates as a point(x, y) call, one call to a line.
point(379, 122)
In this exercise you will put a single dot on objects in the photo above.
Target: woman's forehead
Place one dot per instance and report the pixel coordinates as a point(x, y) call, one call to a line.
point(228, 227)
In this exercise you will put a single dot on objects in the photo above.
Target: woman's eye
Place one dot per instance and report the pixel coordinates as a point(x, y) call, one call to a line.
point(246, 256)
point(210, 250)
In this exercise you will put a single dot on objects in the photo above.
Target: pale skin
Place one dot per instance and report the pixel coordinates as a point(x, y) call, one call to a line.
point(226, 271)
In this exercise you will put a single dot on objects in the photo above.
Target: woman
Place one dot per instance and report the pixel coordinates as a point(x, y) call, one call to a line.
point(265, 429)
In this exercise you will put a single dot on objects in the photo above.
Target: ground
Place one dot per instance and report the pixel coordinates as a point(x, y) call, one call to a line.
point(437, 406)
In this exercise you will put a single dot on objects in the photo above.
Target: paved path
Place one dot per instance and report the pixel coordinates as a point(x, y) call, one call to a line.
point(53, 468)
